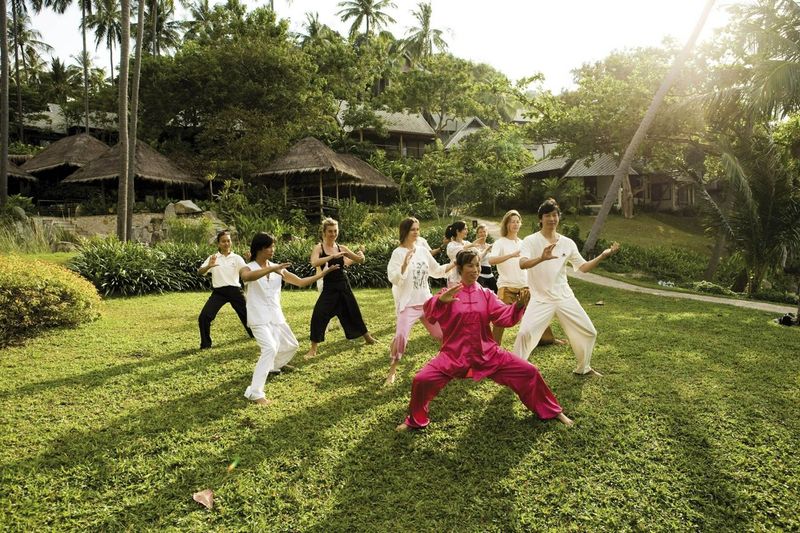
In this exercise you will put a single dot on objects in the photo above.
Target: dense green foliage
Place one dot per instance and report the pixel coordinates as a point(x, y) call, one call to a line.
point(131, 268)
point(35, 296)
point(114, 425)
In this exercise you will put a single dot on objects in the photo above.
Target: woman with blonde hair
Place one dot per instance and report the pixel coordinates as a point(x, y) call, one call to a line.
point(336, 299)
point(511, 279)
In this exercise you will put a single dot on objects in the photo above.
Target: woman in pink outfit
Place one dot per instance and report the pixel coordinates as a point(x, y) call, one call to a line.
point(465, 313)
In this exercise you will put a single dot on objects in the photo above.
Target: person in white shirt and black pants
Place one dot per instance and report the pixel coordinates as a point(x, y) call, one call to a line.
point(224, 267)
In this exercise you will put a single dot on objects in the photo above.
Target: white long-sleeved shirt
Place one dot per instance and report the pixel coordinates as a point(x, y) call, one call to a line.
point(264, 297)
point(411, 287)
point(453, 247)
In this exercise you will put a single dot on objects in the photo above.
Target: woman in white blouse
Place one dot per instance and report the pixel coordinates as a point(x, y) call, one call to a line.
point(409, 269)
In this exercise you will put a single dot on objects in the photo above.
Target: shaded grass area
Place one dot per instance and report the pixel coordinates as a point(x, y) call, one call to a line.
point(115, 424)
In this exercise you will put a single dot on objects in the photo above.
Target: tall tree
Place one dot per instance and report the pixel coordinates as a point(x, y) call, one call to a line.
point(133, 141)
point(368, 12)
point(625, 164)
point(106, 24)
point(3, 105)
point(123, 231)
point(422, 39)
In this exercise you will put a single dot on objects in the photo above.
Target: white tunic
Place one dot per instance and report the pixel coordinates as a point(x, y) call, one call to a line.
point(226, 273)
point(453, 247)
point(411, 287)
point(548, 280)
point(509, 274)
point(264, 297)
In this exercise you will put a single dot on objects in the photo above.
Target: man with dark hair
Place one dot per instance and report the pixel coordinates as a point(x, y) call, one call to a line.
point(545, 255)
point(224, 267)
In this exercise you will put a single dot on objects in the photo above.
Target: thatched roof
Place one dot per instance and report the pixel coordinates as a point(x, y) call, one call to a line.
point(309, 158)
point(72, 151)
point(149, 165)
point(15, 171)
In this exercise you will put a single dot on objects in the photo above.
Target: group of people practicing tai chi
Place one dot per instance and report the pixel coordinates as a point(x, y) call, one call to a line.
point(466, 317)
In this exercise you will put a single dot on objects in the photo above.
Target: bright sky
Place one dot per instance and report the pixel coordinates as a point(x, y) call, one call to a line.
point(518, 37)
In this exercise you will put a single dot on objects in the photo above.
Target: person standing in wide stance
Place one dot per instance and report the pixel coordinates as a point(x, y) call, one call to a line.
point(465, 312)
point(224, 267)
point(512, 280)
point(408, 270)
point(336, 298)
point(545, 255)
point(263, 279)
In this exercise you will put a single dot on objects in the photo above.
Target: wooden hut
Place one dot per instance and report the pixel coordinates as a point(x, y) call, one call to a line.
point(318, 177)
point(64, 156)
point(19, 181)
point(156, 170)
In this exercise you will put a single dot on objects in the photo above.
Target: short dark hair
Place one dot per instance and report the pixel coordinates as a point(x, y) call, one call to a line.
point(260, 241)
point(464, 257)
point(548, 206)
point(222, 232)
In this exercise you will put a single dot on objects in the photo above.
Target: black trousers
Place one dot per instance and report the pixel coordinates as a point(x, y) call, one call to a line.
point(489, 283)
point(337, 300)
point(219, 297)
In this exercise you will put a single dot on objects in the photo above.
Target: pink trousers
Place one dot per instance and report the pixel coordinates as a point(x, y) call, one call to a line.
point(518, 375)
point(405, 321)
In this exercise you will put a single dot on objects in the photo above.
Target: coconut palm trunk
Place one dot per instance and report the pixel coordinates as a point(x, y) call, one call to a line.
point(85, 66)
point(123, 232)
point(20, 125)
point(3, 105)
point(625, 164)
point(137, 69)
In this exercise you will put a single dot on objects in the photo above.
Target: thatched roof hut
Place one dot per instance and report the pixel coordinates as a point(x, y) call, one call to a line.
point(310, 163)
point(149, 165)
point(71, 152)
point(15, 172)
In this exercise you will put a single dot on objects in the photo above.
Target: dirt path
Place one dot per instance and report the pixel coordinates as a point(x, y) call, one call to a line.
point(494, 231)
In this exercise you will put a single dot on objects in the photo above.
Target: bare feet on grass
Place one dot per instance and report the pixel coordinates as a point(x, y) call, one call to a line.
point(564, 419)
point(390, 379)
point(262, 402)
point(402, 427)
point(369, 339)
point(560, 342)
point(312, 352)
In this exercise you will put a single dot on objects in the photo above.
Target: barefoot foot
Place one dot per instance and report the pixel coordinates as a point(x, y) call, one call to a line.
point(402, 427)
point(565, 420)
point(561, 342)
point(310, 355)
point(369, 339)
point(262, 402)
point(390, 379)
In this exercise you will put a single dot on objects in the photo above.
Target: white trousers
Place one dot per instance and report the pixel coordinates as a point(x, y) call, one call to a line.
point(575, 322)
point(278, 345)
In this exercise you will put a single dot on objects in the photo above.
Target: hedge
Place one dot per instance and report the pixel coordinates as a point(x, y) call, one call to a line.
point(36, 295)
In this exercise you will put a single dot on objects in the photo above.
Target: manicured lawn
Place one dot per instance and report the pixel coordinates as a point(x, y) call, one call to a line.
point(645, 229)
point(114, 425)
point(59, 258)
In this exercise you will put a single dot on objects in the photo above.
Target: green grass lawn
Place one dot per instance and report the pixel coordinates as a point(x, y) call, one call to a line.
point(645, 229)
point(114, 425)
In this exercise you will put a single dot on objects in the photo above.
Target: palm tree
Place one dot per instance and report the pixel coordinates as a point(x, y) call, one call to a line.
point(199, 19)
point(164, 33)
point(625, 164)
point(315, 31)
point(105, 22)
point(137, 70)
point(3, 107)
point(23, 36)
point(368, 12)
point(123, 232)
point(420, 41)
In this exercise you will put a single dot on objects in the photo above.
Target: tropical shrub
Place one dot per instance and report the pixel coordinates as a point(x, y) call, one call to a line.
point(711, 288)
point(36, 295)
point(189, 230)
point(672, 264)
point(131, 268)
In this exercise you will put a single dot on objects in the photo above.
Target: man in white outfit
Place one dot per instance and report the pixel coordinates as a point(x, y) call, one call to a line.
point(545, 255)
